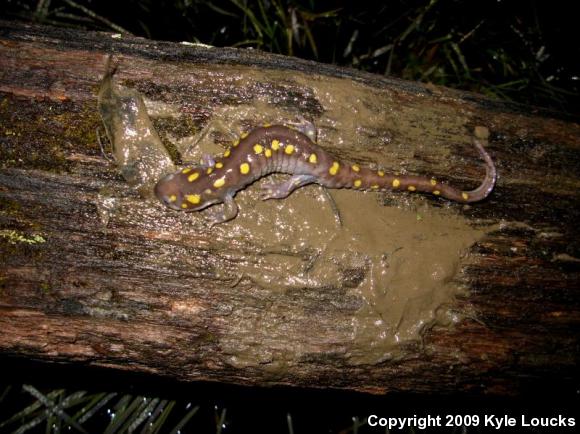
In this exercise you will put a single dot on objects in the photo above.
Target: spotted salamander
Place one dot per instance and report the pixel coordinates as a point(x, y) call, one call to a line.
point(277, 148)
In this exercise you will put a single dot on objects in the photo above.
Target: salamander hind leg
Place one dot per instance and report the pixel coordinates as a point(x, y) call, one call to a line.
point(273, 190)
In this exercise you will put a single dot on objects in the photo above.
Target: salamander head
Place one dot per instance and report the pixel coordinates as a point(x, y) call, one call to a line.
point(188, 190)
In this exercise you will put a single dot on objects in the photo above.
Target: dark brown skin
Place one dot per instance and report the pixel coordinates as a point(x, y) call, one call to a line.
point(277, 148)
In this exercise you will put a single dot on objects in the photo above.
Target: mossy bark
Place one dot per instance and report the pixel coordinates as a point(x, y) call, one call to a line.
point(78, 287)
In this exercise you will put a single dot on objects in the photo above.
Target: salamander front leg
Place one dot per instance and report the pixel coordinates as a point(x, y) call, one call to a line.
point(274, 190)
point(227, 213)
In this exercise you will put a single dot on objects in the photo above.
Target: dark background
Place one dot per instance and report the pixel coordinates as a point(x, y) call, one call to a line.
point(257, 410)
point(523, 51)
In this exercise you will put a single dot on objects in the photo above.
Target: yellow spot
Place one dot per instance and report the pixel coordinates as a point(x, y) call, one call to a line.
point(396, 182)
point(433, 182)
point(219, 165)
point(411, 188)
point(172, 198)
point(258, 149)
point(193, 198)
point(356, 168)
point(289, 149)
point(268, 152)
point(209, 170)
point(436, 192)
point(381, 173)
point(185, 171)
point(207, 191)
point(183, 205)
point(267, 125)
point(244, 135)
point(275, 145)
point(313, 158)
point(357, 183)
point(227, 153)
point(465, 196)
point(334, 168)
point(236, 143)
point(193, 176)
point(219, 182)
point(374, 186)
point(244, 168)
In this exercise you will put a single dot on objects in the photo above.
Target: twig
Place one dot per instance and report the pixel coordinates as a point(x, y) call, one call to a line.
point(97, 17)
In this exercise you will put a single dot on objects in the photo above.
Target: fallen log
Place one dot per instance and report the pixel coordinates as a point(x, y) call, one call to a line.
point(409, 293)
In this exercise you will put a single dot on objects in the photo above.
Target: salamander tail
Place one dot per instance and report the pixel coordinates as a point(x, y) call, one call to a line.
point(480, 136)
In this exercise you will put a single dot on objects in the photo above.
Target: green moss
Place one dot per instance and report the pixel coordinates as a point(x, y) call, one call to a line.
point(40, 134)
point(16, 237)
point(209, 338)
point(45, 288)
point(179, 128)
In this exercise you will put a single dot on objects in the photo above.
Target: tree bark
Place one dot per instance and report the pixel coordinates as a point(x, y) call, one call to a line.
point(143, 288)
